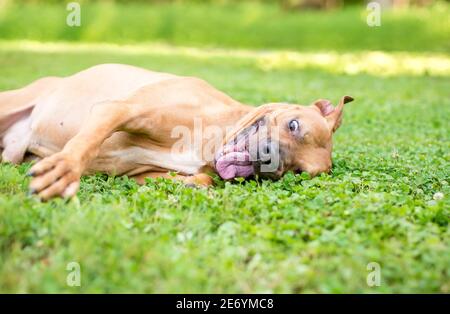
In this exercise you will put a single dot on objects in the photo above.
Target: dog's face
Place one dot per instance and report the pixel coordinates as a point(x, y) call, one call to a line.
point(277, 138)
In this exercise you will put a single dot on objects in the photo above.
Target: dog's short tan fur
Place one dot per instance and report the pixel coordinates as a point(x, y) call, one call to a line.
point(118, 119)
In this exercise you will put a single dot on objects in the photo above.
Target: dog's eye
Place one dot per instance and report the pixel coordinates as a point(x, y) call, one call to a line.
point(294, 125)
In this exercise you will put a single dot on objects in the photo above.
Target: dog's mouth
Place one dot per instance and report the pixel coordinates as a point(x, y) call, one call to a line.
point(234, 164)
point(241, 157)
point(235, 160)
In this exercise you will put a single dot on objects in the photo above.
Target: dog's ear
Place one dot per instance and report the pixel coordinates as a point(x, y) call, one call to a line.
point(333, 115)
point(325, 106)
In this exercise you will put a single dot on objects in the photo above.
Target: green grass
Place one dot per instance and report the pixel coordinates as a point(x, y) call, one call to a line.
point(382, 203)
point(296, 235)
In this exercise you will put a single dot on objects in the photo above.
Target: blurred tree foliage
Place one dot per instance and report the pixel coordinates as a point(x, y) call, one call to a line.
point(287, 4)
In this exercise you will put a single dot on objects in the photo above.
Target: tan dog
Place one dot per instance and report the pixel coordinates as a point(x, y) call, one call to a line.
point(120, 120)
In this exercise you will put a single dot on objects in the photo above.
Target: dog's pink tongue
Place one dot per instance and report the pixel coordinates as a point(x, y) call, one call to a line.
point(234, 164)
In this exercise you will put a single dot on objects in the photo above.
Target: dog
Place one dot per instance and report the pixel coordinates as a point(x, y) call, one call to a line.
point(120, 120)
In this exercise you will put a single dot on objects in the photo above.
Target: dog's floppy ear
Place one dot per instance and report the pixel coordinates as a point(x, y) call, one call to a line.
point(333, 115)
point(325, 106)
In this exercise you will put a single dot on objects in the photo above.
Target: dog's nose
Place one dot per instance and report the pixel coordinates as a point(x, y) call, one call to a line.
point(265, 152)
point(267, 149)
point(269, 157)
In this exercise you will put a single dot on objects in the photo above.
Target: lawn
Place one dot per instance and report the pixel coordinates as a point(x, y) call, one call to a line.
point(386, 201)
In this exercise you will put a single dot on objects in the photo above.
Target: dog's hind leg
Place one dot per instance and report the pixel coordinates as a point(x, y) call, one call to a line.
point(15, 121)
point(18, 100)
point(16, 139)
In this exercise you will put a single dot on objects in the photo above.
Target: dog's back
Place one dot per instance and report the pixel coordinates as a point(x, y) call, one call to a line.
point(55, 105)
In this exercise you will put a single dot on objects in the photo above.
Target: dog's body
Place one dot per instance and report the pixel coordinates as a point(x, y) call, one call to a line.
point(61, 106)
point(118, 119)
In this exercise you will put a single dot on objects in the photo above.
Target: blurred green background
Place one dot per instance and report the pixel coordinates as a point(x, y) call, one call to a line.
point(243, 24)
point(387, 199)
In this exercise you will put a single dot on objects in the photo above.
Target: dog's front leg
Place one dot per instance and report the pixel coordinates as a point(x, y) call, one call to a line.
point(59, 174)
point(200, 179)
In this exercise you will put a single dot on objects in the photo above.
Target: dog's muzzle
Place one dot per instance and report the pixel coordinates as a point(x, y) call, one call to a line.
point(252, 152)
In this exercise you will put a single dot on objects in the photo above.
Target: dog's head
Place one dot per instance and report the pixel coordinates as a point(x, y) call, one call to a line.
point(276, 138)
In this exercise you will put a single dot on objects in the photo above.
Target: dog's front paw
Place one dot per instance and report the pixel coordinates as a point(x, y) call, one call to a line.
point(57, 175)
point(199, 180)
